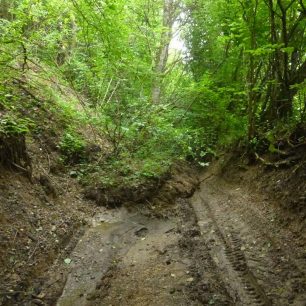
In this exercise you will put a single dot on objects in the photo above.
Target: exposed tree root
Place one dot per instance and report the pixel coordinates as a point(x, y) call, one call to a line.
point(282, 163)
point(13, 154)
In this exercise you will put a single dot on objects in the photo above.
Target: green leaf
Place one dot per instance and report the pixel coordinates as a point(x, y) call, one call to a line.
point(67, 261)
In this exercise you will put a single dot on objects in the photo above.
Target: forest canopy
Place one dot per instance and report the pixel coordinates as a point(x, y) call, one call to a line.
point(158, 80)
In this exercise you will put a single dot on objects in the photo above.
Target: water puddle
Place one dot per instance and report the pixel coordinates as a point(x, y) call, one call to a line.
point(93, 255)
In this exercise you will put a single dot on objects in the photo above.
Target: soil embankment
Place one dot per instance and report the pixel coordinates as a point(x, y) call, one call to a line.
point(43, 220)
point(227, 245)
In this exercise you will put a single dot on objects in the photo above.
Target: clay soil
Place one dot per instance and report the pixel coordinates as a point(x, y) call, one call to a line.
point(39, 223)
point(225, 245)
point(226, 236)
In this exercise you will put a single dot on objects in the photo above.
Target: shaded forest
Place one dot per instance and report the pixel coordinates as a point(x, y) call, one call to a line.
point(153, 80)
point(152, 152)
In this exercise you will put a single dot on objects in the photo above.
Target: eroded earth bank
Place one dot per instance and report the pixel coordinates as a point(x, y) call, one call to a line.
point(221, 242)
point(225, 245)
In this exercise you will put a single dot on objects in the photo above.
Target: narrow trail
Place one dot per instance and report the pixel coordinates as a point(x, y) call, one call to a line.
point(253, 255)
point(127, 259)
point(220, 247)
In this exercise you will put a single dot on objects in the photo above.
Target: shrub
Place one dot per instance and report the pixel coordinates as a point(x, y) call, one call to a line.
point(11, 125)
point(72, 146)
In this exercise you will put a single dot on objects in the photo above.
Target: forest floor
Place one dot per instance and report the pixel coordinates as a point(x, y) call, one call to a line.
point(224, 246)
point(228, 244)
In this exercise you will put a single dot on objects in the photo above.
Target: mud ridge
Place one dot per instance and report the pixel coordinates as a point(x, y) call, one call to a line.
point(254, 264)
point(217, 247)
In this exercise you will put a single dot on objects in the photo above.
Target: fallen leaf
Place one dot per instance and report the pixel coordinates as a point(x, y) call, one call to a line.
point(67, 261)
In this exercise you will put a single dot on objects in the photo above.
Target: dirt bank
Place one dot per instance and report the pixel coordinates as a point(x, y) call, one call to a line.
point(281, 179)
point(226, 245)
point(43, 218)
point(231, 243)
point(35, 229)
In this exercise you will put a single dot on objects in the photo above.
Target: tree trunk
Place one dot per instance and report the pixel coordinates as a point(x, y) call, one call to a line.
point(5, 6)
point(284, 70)
point(170, 13)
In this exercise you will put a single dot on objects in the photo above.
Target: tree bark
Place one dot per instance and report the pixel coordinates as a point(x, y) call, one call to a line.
point(170, 13)
point(285, 71)
point(5, 6)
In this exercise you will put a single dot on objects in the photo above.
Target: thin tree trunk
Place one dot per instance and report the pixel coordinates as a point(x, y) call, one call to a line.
point(170, 13)
point(5, 6)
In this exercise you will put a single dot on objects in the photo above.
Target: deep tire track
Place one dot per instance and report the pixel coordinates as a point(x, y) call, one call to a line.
point(253, 266)
point(227, 254)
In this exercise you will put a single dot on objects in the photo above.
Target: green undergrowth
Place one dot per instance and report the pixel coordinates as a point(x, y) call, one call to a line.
point(99, 147)
point(86, 147)
point(92, 82)
point(123, 171)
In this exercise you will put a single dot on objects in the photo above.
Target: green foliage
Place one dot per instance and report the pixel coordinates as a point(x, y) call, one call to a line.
point(96, 65)
point(72, 146)
point(10, 125)
point(245, 57)
point(125, 170)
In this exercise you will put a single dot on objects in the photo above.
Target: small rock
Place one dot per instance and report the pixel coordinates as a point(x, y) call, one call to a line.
point(162, 252)
point(141, 232)
point(38, 302)
point(67, 261)
point(73, 174)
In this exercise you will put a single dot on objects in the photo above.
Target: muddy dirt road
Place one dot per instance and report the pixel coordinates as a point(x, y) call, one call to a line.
point(223, 246)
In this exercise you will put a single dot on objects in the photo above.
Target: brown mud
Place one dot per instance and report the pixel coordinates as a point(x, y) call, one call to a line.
point(43, 219)
point(224, 246)
point(230, 243)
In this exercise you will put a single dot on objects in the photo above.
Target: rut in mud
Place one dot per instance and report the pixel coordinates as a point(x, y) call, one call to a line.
point(220, 247)
point(258, 261)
